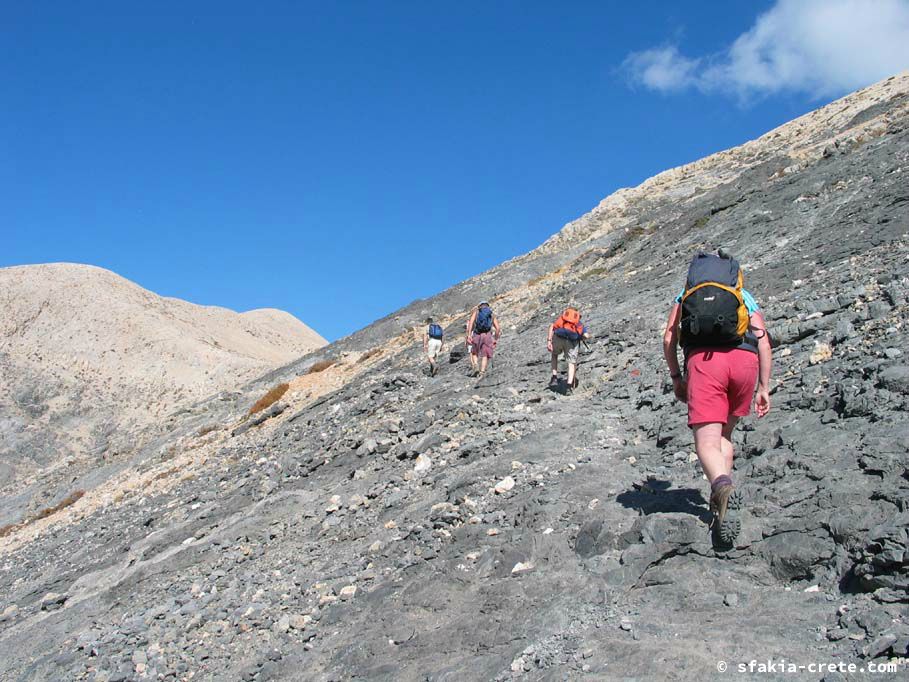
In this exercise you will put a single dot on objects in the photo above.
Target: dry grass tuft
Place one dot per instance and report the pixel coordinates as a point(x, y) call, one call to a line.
point(72, 498)
point(369, 354)
point(321, 366)
point(269, 398)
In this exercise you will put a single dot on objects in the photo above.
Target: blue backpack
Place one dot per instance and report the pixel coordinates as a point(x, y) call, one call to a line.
point(483, 323)
point(435, 331)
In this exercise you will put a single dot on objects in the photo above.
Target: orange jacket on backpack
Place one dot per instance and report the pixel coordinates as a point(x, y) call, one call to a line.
point(570, 321)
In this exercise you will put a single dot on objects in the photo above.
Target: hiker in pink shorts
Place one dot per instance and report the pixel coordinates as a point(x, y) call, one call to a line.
point(483, 333)
point(727, 351)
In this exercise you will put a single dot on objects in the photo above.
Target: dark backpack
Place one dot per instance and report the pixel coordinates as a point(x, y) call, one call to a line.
point(713, 310)
point(435, 331)
point(483, 323)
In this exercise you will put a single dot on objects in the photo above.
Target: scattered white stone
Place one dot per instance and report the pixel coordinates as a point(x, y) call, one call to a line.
point(632, 459)
point(593, 504)
point(548, 531)
point(813, 588)
point(492, 531)
point(522, 567)
point(376, 547)
point(822, 352)
point(298, 622)
point(348, 592)
point(423, 464)
point(516, 465)
point(475, 520)
point(473, 556)
point(517, 665)
point(334, 504)
point(504, 485)
point(283, 624)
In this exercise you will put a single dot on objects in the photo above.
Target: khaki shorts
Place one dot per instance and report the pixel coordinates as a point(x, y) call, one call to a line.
point(567, 346)
point(433, 348)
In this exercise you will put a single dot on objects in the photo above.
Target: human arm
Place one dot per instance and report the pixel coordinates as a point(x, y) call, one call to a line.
point(765, 364)
point(496, 328)
point(470, 323)
point(670, 353)
point(549, 337)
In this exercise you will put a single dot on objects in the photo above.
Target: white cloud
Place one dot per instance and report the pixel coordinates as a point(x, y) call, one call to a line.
point(821, 47)
point(662, 68)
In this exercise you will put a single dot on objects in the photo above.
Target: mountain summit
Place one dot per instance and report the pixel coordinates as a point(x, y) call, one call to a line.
point(373, 522)
point(88, 359)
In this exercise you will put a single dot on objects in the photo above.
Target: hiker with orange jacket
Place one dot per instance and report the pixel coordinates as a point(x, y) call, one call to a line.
point(565, 336)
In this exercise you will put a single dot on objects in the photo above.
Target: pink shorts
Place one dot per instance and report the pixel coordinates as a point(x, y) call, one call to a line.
point(720, 384)
point(482, 345)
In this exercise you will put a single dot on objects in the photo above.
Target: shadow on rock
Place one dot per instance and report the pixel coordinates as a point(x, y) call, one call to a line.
point(656, 497)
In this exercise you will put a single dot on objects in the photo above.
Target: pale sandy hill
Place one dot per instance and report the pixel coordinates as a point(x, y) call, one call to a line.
point(87, 356)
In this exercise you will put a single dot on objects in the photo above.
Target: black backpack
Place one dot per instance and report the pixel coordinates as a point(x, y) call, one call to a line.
point(713, 310)
point(435, 331)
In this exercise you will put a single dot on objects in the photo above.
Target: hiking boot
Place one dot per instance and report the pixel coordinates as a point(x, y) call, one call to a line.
point(554, 382)
point(433, 369)
point(726, 505)
point(568, 390)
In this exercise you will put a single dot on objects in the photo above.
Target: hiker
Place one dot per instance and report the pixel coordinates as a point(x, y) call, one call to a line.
point(483, 333)
point(565, 337)
point(727, 350)
point(432, 344)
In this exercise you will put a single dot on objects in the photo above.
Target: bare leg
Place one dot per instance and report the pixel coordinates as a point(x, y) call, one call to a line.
point(473, 361)
point(728, 448)
point(483, 362)
point(708, 443)
point(572, 367)
point(554, 364)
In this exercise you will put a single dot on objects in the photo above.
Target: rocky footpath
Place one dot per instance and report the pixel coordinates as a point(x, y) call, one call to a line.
point(382, 524)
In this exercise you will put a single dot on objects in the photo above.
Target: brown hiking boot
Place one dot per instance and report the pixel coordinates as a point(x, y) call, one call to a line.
point(726, 505)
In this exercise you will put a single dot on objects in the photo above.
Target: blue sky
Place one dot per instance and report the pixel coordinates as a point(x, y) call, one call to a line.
point(339, 160)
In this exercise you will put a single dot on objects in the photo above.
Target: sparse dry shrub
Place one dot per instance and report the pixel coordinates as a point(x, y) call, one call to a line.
point(269, 398)
point(536, 280)
point(369, 354)
point(70, 499)
point(321, 366)
point(208, 428)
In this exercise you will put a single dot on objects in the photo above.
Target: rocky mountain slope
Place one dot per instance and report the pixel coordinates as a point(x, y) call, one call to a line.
point(376, 523)
point(89, 359)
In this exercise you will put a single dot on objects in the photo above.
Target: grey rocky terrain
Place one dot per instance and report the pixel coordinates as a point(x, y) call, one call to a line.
point(376, 523)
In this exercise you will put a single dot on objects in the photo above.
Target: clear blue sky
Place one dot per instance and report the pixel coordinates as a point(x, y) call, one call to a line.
point(339, 160)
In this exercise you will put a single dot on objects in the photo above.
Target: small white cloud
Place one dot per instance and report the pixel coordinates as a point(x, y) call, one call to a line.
point(662, 69)
point(821, 47)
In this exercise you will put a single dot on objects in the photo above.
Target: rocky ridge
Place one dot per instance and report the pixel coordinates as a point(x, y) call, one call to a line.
point(376, 523)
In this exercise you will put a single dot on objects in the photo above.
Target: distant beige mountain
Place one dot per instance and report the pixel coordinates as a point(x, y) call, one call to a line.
point(87, 356)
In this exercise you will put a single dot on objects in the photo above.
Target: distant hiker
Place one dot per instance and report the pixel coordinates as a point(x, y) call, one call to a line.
point(432, 344)
point(565, 337)
point(727, 350)
point(483, 333)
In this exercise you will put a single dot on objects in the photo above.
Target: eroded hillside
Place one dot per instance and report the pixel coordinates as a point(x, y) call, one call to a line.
point(375, 523)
